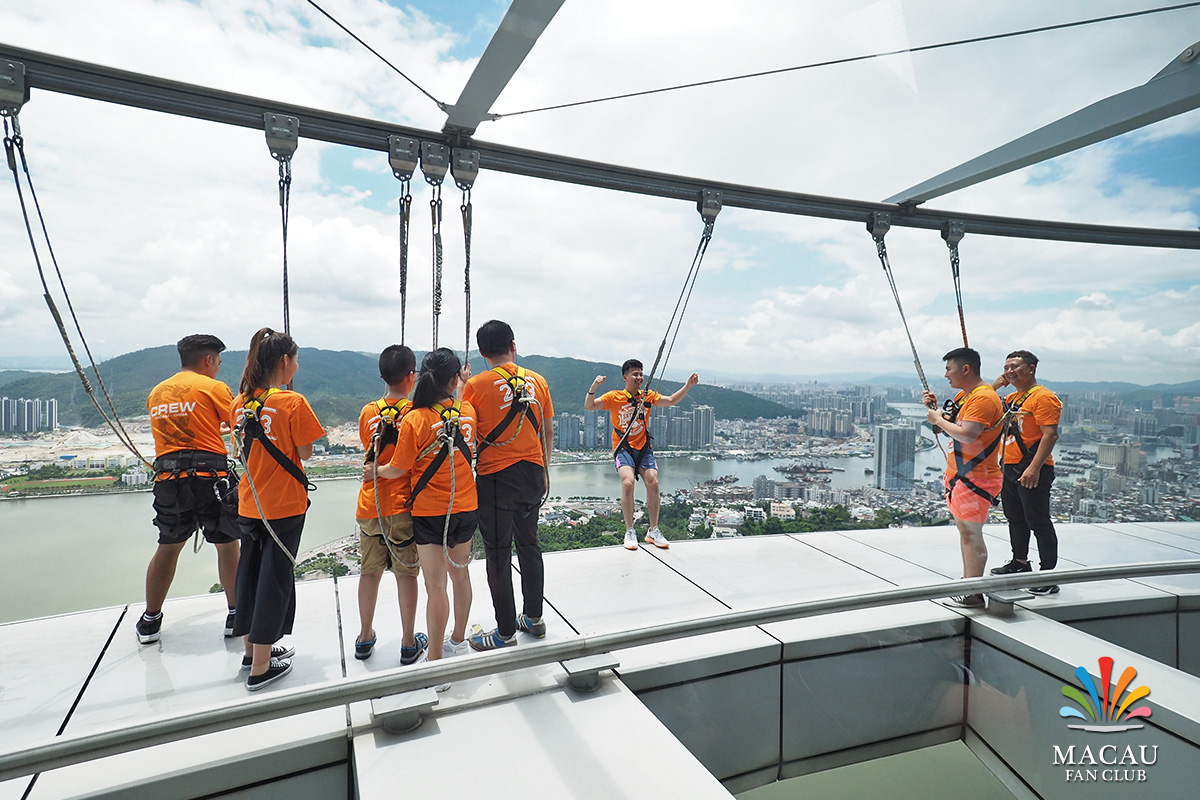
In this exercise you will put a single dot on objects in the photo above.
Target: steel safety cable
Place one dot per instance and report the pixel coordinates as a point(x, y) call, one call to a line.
point(701, 249)
point(466, 210)
point(405, 218)
point(881, 248)
point(14, 144)
point(435, 215)
point(954, 270)
point(285, 196)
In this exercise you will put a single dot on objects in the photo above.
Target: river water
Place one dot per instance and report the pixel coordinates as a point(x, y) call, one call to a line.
point(72, 553)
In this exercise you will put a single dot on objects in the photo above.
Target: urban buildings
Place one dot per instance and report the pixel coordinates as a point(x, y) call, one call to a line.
point(895, 449)
point(28, 416)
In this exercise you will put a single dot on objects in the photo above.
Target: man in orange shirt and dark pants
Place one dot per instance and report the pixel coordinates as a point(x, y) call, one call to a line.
point(188, 412)
point(973, 477)
point(515, 414)
point(1028, 465)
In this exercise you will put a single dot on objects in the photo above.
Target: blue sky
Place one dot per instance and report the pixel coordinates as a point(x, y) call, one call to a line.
point(156, 245)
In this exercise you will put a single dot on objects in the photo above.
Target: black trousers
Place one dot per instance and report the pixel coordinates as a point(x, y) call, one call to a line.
point(1028, 510)
point(508, 513)
point(266, 581)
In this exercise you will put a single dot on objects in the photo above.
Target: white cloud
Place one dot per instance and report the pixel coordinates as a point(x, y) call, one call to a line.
point(167, 225)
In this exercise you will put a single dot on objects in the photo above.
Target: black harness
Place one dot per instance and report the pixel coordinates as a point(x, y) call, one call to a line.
point(449, 437)
point(1012, 427)
point(962, 467)
point(638, 455)
point(522, 395)
point(251, 429)
point(191, 464)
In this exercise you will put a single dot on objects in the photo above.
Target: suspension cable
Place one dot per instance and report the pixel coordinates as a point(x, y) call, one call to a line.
point(953, 232)
point(14, 144)
point(435, 162)
point(465, 169)
point(879, 224)
point(403, 153)
point(283, 136)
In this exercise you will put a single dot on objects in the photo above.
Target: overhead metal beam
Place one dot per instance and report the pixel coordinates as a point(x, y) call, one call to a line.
point(1172, 91)
point(53, 73)
point(523, 23)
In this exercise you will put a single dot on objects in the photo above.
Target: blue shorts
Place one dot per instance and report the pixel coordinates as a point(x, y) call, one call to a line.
point(622, 458)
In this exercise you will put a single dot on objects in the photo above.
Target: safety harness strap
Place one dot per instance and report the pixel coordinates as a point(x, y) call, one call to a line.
point(252, 430)
point(442, 444)
point(387, 433)
point(1012, 426)
point(519, 383)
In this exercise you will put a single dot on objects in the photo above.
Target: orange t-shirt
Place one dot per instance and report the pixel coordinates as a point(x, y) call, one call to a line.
point(186, 412)
point(289, 423)
point(620, 411)
point(393, 492)
point(492, 396)
point(420, 428)
point(981, 405)
point(1041, 407)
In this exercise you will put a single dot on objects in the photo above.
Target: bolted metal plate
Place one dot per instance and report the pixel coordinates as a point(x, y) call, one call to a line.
point(435, 161)
point(14, 93)
point(283, 134)
point(404, 153)
point(465, 167)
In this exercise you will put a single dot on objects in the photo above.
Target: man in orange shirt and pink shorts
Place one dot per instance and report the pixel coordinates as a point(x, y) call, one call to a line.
point(973, 478)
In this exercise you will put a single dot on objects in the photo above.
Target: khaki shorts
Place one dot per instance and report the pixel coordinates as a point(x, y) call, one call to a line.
point(377, 555)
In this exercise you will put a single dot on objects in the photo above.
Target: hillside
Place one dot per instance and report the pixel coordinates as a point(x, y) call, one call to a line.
point(337, 383)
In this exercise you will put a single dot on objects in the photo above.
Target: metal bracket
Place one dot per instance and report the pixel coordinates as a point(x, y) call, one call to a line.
point(435, 161)
point(1000, 604)
point(283, 135)
point(14, 92)
point(709, 204)
point(584, 673)
point(465, 167)
point(953, 231)
point(403, 155)
point(879, 224)
point(1190, 53)
point(401, 713)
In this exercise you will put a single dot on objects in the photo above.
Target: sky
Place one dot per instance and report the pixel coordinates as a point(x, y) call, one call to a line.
point(166, 226)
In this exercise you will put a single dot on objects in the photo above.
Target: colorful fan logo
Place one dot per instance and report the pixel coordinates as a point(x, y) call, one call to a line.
point(1102, 711)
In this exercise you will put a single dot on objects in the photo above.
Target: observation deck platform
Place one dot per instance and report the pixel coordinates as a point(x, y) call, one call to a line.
point(698, 717)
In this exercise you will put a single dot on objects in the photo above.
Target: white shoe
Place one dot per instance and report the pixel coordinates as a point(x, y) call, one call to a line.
point(654, 536)
point(631, 539)
point(449, 650)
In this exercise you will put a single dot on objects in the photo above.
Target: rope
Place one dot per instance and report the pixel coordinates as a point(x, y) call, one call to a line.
point(881, 248)
point(14, 144)
point(958, 290)
point(465, 208)
point(435, 212)
point(240, 446)
point(405, 216)
point(285, 195)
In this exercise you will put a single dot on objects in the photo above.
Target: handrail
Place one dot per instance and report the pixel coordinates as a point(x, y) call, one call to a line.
point(67, 750)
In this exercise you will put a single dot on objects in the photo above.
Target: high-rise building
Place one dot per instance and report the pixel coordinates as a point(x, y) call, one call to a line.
point(895, 451)
point(567, 432)
point(704, 427)
point(52, 414)
point(591, 430)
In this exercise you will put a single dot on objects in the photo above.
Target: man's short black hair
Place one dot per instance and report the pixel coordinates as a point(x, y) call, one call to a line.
point(1026, 356)
point(495, 338)
point(631, 365)
point(964, 355)
point(396, 363)
point(192, 349)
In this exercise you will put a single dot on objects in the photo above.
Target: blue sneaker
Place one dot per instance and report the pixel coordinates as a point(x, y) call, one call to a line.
point(411, 655)
point(363, 650)
point(534, 627)
point(492, 641)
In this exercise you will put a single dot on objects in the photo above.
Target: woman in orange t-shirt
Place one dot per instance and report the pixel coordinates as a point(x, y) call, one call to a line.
point(272, 502)
point(444, 506)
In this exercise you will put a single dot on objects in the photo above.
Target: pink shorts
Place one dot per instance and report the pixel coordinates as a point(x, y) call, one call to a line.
point(969, 506)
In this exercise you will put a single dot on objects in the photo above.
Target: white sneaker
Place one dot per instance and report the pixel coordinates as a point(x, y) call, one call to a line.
point(654, 536)
point(631, 539)
point(449, 649)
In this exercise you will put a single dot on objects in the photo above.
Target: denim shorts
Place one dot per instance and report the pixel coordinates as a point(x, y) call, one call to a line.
point(622, 458)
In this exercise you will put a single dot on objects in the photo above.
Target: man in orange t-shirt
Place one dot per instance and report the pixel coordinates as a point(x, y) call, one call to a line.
point(1028, 466)
point(629, 411)
point(385, 540)
point(973, 477)
point(515, 440)
point(188, 413)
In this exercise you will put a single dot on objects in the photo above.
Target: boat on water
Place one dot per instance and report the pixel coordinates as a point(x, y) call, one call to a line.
point(868, 471)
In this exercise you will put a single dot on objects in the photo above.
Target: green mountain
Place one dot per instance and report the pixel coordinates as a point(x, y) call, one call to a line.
point(336, 383)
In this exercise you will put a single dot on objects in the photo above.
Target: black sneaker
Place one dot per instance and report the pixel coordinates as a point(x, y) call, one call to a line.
point(275, 670)
point(411, 655)
point(147, 629)
point(229, 619)
point(1043, 590)
point(278, 653)
point(1012, 568)
point(967, 601)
